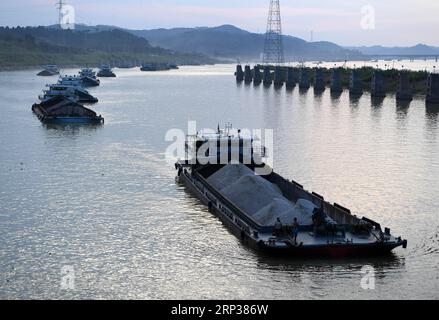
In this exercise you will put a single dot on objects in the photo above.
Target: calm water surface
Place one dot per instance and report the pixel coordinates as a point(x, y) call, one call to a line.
point(103, 200)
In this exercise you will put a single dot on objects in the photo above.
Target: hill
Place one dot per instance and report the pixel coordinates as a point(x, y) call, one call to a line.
point(418, 49)
point(29, 46)
point(228, 41)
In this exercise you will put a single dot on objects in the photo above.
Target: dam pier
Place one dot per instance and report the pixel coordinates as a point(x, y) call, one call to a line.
point(404, 84)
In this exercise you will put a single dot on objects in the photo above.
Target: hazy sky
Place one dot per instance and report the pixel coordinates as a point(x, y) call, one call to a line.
point(397, 22)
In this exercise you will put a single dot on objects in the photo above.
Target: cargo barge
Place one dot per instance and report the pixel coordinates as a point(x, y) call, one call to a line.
point(106, 72)
point(62, 110)
point(268, 212)
point(50, 70)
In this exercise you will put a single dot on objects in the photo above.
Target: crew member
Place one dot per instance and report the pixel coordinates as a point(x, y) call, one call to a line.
point(277, 227)
point(295, 230)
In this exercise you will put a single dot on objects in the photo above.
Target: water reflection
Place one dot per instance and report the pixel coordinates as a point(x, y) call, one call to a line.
point(267, 85)
point(377, 102)
point(354, 99)
point(335, 95)
point(318, 92)
point(318, 96)
point(431, 116)
point(402, 108)
point(322, 279)
point(432, 110)
point(303, 90)
point(71, 129)
point(293, 265)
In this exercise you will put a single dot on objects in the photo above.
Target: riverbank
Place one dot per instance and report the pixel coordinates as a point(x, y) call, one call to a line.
point(24, 48)
point(37, 61)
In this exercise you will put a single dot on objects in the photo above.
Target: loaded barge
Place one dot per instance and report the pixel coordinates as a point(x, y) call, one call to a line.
point(268, 212)
point(63, 110)
point(49, 70)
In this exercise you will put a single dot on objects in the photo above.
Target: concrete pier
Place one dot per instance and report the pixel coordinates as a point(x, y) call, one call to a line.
point(404, 84)
point(279, 77)
point(267, 76)
point(248, 75)
point(433, 88)
point(319, 80)
point(404, 91)
point(239, 73)
point(355, 83)
point(257, 76)
point(291, 79)
point(304, 79)
point(336, 82)
point(377, 85)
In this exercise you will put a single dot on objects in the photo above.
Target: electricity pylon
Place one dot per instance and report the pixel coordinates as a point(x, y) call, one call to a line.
point(273, 48)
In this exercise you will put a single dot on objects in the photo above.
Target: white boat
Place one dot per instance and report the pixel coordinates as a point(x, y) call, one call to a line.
point(74, 93)
point(71, 81)
point(88, 77)
point(87, 72)
point(105, 71)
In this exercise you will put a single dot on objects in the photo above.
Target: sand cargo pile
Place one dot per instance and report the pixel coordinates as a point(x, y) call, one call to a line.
point(258, 197)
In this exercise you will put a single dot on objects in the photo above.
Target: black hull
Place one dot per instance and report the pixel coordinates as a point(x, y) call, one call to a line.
point(46, 73)
point(106, 75)
point(65, 119)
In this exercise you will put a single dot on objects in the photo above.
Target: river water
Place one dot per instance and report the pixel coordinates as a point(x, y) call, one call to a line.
point(95, 213)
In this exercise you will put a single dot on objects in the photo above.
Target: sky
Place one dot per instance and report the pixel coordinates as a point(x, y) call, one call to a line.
point(348, 23)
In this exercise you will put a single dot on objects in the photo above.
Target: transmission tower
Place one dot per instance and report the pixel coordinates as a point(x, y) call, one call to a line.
point(273, 49)
point(59, 5)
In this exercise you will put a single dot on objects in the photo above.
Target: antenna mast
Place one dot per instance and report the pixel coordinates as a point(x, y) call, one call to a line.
point(273, 49)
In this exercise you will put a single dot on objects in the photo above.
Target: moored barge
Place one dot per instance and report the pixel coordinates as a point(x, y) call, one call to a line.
point(106, 72)
point(63, 110)
point(268, 212)
point(48, 71)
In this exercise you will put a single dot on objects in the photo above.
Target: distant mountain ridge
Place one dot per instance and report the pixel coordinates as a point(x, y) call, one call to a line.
point(418, 49)
point(231, 42)
point(228, 41)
